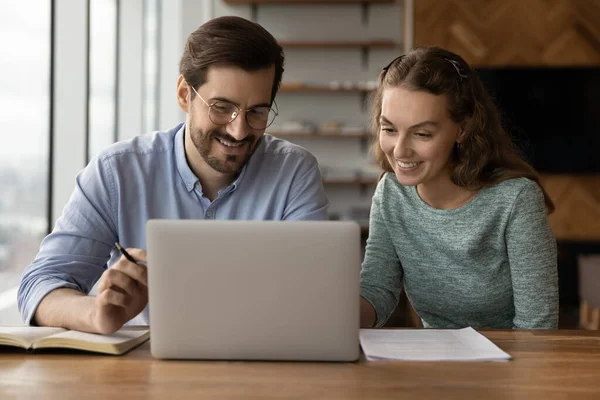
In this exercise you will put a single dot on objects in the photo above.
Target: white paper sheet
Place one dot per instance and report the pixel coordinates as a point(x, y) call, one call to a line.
point(429, 345)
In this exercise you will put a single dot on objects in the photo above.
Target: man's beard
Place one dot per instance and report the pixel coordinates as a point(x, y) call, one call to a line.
point(224, 163)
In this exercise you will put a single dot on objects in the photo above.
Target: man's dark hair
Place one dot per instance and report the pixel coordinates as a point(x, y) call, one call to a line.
point(230, 41)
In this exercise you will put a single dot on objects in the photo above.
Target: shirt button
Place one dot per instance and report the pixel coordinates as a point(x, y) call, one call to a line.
point(190, 186)
point(209, 213)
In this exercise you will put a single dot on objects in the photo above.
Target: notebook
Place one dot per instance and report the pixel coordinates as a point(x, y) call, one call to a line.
point(254, 290)
point(33, 337)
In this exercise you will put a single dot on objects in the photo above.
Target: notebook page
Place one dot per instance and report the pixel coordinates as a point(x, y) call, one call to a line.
point(429, 345)
point(29, 334)
point(120, 336)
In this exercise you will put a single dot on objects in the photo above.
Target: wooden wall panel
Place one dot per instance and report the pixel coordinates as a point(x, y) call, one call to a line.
point(526, 32)
point(577, 201)
point(512, 32)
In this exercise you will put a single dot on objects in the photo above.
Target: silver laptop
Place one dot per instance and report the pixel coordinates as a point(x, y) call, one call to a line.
point(254, 290)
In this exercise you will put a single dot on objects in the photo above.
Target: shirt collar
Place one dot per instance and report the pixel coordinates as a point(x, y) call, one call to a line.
point(237, 181)
point(186, 173)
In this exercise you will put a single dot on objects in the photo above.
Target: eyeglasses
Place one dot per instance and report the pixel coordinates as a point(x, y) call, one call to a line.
point(223, 112)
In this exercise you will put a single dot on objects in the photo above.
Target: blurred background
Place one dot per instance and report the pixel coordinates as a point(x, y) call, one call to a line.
point(78, 75)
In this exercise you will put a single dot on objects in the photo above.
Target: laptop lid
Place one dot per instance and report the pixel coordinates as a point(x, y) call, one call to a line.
point(254, 290)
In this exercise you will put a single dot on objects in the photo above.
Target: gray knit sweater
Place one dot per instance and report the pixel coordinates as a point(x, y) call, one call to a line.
point(488, 264)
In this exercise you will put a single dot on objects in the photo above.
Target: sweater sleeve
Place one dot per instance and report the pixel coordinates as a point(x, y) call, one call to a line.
point(381, 274)
point(532, 257)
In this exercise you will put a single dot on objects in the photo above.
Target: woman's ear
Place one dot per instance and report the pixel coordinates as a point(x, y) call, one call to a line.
point(183, 91)
point(461, 136)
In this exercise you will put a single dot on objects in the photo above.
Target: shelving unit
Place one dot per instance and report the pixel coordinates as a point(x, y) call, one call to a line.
point(364, 3)
point(291, 88)
point(376, 44)
point(361, 181)
point(333, 76)
point(324, 135)
point(364, 137)
point(309, 1)
point(364, 46)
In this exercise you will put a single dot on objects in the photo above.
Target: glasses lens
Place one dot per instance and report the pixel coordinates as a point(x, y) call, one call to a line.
point(222, 112)
point(260, 117)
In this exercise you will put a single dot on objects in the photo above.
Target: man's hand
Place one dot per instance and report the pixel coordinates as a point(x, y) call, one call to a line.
point(122, 293)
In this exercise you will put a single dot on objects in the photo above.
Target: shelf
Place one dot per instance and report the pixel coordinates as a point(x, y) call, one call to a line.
point(361, 181)
point(364, 46)
point(328, 135)
point(363, 3)
point(309, 1)
point(286, 88)
point(378, 44)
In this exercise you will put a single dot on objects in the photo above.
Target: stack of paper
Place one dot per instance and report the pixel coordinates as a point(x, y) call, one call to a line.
point(429, 345)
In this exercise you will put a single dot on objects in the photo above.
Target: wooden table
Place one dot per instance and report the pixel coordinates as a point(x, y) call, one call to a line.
point(546, 365)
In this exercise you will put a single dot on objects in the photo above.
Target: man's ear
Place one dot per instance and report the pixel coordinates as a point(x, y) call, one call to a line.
point(183, 91)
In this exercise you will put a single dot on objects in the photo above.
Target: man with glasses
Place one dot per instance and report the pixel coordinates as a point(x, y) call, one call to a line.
point(219, 164)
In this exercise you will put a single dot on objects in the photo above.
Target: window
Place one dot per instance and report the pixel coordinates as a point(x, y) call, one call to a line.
point(102, 75)
point(24, 142)
point(150, 65)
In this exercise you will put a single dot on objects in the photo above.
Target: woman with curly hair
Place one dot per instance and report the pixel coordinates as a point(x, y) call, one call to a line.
point(459, 218)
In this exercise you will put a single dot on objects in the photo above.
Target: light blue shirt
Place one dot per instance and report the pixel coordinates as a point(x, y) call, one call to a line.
point(149, 177)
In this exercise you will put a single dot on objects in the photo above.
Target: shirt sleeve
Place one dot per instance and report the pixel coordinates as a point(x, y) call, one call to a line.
point(381, 274)
point(533, 264)
point(307, 200)
point(74, 255)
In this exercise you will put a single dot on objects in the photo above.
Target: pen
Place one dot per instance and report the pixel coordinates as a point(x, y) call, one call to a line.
point(127, 255)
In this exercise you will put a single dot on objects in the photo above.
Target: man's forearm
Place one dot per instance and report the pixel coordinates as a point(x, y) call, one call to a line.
point(66, 308)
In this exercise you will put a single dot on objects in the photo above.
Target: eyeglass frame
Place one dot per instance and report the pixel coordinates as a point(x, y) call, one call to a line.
point(239, 110)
